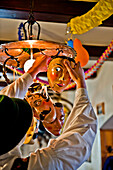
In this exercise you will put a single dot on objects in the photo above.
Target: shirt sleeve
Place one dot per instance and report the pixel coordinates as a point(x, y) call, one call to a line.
point(19, 87)
point(74, 145)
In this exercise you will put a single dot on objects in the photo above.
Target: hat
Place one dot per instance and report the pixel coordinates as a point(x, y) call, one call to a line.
point(15, 119)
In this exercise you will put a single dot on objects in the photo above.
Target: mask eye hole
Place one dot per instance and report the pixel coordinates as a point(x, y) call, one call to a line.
point(37, 103)
point(62, 118)
point(31, 97)
point(58, 69)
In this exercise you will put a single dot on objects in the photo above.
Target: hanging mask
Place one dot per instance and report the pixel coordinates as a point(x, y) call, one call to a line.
point(42, 106)
point(55, 127)
point(31, 131)
point(58, 76)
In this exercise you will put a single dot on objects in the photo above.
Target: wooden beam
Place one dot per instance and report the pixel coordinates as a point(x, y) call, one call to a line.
point(96, 51)
point(48, 10)
point(14, 14)
point(49, 6)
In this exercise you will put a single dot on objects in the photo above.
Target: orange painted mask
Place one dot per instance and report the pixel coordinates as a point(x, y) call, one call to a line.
point(42, 106)
point(58, 76)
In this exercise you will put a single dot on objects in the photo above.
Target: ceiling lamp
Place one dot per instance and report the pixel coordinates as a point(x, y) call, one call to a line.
point(15, 51)
point(28, 33)
point(30, 36)
point(22, 52)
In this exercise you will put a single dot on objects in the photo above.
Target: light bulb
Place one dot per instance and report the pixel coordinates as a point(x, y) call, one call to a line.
point(28, 64)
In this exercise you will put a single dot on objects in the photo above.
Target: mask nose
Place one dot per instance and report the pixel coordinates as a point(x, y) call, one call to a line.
point(62, 77)
point(58, 124)
point(44, 91)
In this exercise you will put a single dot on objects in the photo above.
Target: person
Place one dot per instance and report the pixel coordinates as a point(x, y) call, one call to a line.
point(54, 127)
point(41, 103)
point(70, 149)
point(38, 128)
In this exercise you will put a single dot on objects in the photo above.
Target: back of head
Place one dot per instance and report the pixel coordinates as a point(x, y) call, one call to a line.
point(15, 119)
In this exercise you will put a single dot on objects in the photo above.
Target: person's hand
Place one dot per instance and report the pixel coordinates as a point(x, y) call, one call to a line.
point(76, 74)
point(40, 65)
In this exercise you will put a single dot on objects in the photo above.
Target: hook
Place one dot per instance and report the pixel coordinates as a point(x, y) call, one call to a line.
point(31, 21)
point(4, 68)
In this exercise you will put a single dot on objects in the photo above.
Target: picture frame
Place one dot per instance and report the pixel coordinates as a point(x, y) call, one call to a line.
point(100, 108)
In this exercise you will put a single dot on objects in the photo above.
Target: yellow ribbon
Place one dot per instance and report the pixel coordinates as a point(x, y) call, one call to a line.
point(100, 12)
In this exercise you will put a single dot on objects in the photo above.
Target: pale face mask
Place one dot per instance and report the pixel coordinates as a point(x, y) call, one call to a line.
point(55, 127)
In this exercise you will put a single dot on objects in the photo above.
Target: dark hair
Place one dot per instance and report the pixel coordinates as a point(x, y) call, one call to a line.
point(63, 57)
point(57, 104)
point(15, 120)
point(44, 113)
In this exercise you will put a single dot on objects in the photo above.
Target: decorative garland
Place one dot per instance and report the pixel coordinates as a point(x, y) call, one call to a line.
point(88, 73)
point(100, 12)
point(100, 61)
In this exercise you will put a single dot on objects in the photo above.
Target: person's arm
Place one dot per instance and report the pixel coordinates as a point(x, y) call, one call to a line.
point(74, 145)
point(19, 87)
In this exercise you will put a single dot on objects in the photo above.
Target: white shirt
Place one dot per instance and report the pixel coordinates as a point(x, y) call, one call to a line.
point(73, 146)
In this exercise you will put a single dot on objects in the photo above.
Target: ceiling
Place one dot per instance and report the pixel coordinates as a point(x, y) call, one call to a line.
point(53, 16)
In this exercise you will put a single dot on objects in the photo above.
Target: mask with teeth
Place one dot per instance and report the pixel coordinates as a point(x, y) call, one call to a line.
point(42, 106)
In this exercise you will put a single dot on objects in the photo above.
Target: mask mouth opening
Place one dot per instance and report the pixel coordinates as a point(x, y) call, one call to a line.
point(60, 85)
